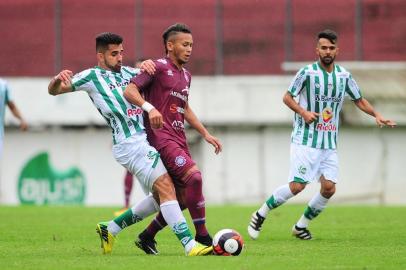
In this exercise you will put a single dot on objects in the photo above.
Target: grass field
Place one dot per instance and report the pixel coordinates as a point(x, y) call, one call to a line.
point(344, 238)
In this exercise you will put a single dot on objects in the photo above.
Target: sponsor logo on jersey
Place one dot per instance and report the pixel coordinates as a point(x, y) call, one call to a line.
point(170, 73)
point(163, 61)
point(327, 114)
point(186, 89)
point(178, 125)
point(122, 84)
point(180, 161)
point(134, 112)
point(178, 95)
point(173, 108)
point(317, 85)
point(326, 127)
point(330, 86)
point(323, 98)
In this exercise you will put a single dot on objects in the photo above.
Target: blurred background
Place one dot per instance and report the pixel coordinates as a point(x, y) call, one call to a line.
point(245, 54)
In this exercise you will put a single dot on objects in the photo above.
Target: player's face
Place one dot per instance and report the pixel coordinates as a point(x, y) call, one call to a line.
point(112, 58)
point(181, 47)
point(326, 51)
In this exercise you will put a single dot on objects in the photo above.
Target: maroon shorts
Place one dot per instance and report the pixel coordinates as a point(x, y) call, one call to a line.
point(177, 161)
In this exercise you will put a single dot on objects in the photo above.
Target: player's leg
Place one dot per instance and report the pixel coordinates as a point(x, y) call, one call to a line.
point(300, 174)
point(185, 174)
point(328, 179)
point(195, 202)
point(174, 218)
point(108, 230)
point(278, 197)
point(128, 186)
point(146, 239)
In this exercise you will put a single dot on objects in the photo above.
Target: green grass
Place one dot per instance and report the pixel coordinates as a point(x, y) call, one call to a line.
point(345, 237)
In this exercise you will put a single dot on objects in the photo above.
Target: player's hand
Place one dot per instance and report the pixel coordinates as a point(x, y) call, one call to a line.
point(310, 117)
point(381, 122)
point(215, 142)
point(23, 125)
point(148, 66)
point(155, 119)
point(64, 76)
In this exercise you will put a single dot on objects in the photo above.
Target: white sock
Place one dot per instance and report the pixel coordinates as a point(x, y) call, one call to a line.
point(279, 197)
point(173, 216)
point(303, 222)
point(316, 206)
point(141, 210)
point(113, 228)
point(146, 207)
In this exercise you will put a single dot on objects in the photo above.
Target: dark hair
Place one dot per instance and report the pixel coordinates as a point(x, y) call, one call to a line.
point(328, 34)
point(103, 41)
point(173, 30)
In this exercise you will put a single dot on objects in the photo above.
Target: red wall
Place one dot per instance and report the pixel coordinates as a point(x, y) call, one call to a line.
point(253, 32)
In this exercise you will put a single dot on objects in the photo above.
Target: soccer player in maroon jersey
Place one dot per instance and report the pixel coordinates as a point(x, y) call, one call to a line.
point(165, 99)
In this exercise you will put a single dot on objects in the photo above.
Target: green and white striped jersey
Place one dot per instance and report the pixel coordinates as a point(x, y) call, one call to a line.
point(323, 93)
point(105, 89)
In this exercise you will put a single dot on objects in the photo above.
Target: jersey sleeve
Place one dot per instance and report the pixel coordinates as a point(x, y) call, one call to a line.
point(143, 79)
point(298, 82)
point(352, 89)
point(81, 80)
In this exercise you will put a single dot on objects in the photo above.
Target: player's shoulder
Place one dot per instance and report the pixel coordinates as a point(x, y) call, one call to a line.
point(86, 72)
point(161, 63)
point(130, 70)
point(341, 71)
point(305, 70)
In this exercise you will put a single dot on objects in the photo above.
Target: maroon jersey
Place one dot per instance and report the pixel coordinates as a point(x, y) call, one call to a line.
point(168, 91)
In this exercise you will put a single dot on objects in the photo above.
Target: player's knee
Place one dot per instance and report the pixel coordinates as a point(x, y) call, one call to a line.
point(165, 189)
point(328, 192)
point(195, 180)
point(296, 188)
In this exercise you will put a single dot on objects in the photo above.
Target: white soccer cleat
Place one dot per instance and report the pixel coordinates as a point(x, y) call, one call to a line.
point(255, 225)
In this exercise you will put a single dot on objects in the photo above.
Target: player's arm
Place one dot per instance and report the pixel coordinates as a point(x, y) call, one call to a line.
point(16, 112)
point(132, 94)
point(366, 107)
point(195, 123)
point(61, 83)
point(308, 116)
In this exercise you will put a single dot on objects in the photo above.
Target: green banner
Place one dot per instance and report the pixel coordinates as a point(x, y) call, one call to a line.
point(40, 184)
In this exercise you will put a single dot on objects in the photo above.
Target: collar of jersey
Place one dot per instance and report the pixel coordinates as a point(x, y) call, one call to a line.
point(107, 71)
point(173, 65)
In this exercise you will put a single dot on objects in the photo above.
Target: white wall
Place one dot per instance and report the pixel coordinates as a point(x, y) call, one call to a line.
point(254, 162)
point(245, 112)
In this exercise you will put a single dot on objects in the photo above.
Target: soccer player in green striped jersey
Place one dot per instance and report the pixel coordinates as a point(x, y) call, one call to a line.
point(6, 99)
point(105, 84)
point(320, 88)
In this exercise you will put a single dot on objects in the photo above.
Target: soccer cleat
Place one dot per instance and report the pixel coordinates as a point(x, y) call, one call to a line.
point(255, 225)
point(204, 239)
point(119, 212)
point(200, 250)
point(146, 243)
point(106, 238)
point(301, 233)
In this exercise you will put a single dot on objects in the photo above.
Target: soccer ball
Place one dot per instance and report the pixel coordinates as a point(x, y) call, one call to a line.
point(227, 242)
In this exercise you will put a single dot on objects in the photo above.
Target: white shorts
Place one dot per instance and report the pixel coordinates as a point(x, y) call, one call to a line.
point(141, 159)
point(308, 164)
